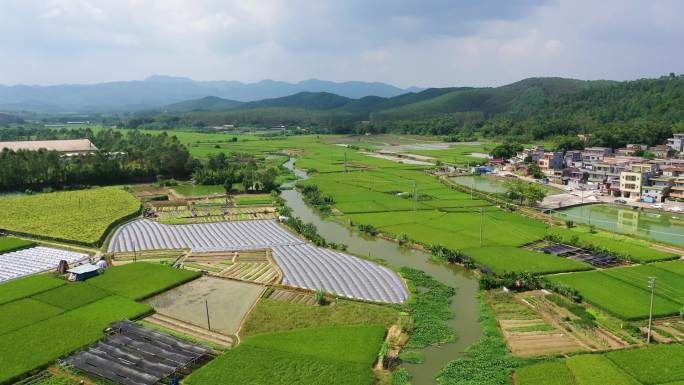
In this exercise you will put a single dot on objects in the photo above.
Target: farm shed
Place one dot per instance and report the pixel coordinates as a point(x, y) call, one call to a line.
point(71, 146)
point(83, 272)
point(135, 355)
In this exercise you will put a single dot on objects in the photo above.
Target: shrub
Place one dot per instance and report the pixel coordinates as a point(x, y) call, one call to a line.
point(412, 357)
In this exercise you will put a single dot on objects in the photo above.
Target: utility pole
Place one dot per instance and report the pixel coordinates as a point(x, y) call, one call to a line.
point(481, 223)
point(206, 306)
point(345, 162)
point(652, 285)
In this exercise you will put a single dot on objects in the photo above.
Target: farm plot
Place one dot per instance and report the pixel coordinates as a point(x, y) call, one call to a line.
point(526, 333)
point(228, 303)
point(141, 280)
point(144, 234)
point(44, 341)
point(659, 364)
point(333, 355)
point(601, 290)
point(669, 285)
point(510, 259)
point(313, 268)
point(652, 365)
point(33, 260)
point(303, 265)
point(8, 244)
point(632, 249)
point(73, 216)
point(253, 200)
point(28, 286)
point(49, 318)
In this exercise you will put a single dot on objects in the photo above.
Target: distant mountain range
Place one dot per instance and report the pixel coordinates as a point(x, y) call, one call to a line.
point(525, 95)
point(533, 107)
point(158, 91)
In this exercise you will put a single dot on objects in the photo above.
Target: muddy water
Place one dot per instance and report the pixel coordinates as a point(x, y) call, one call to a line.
point(464, 305)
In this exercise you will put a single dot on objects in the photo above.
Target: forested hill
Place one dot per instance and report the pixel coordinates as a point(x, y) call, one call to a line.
point(533, 108)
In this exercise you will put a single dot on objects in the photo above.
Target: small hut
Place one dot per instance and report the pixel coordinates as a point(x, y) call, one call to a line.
point(83, 272)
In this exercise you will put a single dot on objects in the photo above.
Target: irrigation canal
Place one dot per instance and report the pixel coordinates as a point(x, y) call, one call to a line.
point(464, 305)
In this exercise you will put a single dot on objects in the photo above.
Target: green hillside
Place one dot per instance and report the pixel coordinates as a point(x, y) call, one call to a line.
point(643, 111)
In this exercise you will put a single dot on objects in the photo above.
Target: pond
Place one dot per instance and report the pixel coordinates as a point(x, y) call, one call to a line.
point(464, 305)
point(651, 224)
point(494, 184)
point(489, 184)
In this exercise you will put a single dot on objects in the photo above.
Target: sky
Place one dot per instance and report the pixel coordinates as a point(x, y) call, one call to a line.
point(402, 42)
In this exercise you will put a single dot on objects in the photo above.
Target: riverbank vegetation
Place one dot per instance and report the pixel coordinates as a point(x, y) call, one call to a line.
point(429, 308)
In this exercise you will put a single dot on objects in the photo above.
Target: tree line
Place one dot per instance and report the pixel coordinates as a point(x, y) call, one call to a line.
point(123, 158)
point(120, 158)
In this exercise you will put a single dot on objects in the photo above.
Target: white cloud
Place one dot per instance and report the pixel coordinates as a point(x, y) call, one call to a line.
point(406, 42)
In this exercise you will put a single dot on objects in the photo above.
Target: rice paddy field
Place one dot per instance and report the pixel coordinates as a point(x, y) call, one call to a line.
point(9, 244)
point(600, 287)
point(440, 216)
point(654, 365)
point(253, 200)
point(636, 250)
point(50, 318)
point(313, 356)
point(192, 190)
point(138, 281)
point(80, 216)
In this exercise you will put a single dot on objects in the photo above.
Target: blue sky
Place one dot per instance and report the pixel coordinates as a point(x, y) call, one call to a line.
point(403, 42)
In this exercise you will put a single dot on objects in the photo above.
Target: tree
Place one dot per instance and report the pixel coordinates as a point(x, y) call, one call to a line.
point(534, 170)
point(525, 192)
point(228, 185)
point(267, 179)
point(506, 150)
point(534, 193)
point(569, 143)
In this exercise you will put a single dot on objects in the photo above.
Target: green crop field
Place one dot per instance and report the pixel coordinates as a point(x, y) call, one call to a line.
point(44, 341)
point(80, 216)
point(72, 296)
point(192, 190)
point(50, 317)
point(253, 200)
point(270, 316)
point(600, 288)
point(541, 374)
point(633, 249)
point(141, 280)
point(597, 369)
point(510, 259)
point(652, 365)
point(18, 314)
point(332, 355)
point(25, 287)
point(669, 285)
point(673, 266)
point(9, 244)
